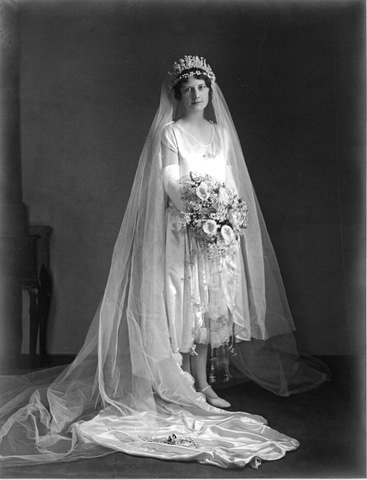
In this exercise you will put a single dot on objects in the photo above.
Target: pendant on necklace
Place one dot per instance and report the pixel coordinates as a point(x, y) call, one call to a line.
point(209, 155)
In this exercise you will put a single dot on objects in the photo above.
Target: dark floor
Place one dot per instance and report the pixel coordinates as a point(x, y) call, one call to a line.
point(329, 422)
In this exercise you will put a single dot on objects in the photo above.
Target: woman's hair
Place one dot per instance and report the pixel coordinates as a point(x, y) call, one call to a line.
point(203, 76)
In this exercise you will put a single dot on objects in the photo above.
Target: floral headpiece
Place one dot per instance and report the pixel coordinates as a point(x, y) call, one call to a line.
point(187, 63)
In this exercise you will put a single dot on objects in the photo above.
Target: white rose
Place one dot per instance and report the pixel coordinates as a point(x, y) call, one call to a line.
point(202, 191)
point(210, 227)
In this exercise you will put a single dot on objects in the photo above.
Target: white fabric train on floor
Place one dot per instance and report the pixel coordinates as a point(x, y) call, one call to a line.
point(125, 391)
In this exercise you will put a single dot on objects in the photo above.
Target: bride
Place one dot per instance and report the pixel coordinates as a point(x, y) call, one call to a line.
point(139, 385)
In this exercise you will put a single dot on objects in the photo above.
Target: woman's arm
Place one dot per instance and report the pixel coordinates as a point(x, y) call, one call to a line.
point(171, 176)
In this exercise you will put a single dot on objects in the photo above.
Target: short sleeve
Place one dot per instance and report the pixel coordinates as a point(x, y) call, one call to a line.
point(168, 138)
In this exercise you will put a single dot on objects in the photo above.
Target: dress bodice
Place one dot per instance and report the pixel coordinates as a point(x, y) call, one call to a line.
point(194, 156)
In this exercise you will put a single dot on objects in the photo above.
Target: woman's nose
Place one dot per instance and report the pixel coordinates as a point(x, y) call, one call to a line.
point(195, 94)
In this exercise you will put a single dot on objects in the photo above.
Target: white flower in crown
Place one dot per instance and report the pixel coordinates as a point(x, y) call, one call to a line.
point(187, 63)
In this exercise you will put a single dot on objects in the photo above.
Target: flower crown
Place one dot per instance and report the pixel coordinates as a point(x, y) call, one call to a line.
point(187, 63)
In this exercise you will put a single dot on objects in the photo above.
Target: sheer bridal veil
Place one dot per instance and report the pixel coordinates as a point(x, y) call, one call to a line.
point(126, 370)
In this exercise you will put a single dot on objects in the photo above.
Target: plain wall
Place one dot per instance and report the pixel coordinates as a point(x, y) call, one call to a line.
point(292, 76)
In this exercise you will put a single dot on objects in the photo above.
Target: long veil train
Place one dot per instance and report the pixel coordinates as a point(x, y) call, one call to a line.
point(125, 390)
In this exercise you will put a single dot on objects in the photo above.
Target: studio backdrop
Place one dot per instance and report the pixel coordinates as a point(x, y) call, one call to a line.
point(90, 76)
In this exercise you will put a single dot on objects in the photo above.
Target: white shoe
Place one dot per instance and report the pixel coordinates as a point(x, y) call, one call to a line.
point(213, 399)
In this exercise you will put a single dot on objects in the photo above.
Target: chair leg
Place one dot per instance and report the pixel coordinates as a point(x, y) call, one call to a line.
point(44, 309)
point(34, 324)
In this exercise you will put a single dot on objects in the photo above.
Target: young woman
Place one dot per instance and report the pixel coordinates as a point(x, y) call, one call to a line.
point(200, 295)
point(139, 384)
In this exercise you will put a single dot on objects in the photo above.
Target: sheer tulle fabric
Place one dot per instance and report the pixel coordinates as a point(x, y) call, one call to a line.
point(125, 390)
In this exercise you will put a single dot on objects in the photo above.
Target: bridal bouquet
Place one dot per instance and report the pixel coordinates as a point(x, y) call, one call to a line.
point(214, 214)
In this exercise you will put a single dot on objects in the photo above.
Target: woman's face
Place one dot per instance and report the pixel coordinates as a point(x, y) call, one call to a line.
point(194, 95)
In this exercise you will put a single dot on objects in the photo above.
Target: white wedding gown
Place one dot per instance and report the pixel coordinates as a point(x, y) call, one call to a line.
point(203, 300)
point(126, 391)
point(203, 433)
point(183, 426)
